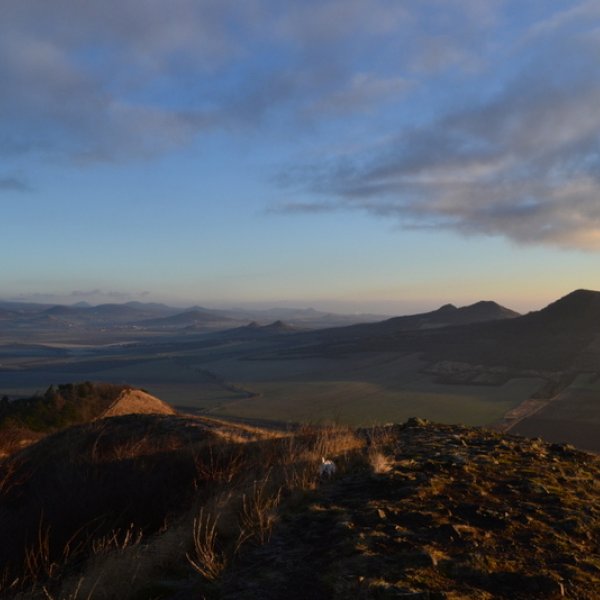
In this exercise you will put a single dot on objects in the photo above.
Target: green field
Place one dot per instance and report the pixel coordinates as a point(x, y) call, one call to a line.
point(365, 403)
point(361, 390)
point(573, 417)
point(237, 380)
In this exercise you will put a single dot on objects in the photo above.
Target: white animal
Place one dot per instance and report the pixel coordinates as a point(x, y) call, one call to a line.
point(327, 468)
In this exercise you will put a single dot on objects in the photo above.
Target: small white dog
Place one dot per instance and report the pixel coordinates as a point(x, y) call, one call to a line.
point(327, 468)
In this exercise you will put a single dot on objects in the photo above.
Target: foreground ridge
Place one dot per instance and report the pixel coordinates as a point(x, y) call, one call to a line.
point(173, 507)
point(448, 512)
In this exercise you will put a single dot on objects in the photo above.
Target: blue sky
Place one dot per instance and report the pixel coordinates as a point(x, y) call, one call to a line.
point(380, 155)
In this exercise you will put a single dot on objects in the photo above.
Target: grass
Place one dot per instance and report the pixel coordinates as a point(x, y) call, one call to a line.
point(123, 506)
point(572, 417)
point(366, 403)
point(359, 389)
point(206, 559)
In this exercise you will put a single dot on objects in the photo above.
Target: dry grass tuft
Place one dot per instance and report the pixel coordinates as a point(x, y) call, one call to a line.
point(207, 559)
point(258, 514)
point(187, 506)
point(380, 463)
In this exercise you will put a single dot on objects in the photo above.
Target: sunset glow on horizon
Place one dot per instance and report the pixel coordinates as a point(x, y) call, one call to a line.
point(352, 155)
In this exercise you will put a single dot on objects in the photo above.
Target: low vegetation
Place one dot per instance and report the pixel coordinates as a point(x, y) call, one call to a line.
point(161, 506)
point(59, 407)
point(163, 497)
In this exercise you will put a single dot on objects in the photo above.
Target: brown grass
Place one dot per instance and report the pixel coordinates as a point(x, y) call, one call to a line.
point(206, 558)
point(118, 506)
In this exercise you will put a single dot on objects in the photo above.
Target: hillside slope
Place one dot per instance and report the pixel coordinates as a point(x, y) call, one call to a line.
point(154, 506)
point(26, 420)
point(560, 337)
point(449, 513)
point(445, 316)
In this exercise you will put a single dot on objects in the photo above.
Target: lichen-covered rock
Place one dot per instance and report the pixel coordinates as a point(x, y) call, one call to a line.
point(511, 519)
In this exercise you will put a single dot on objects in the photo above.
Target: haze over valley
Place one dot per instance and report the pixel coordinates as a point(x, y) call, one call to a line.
point(482, 364)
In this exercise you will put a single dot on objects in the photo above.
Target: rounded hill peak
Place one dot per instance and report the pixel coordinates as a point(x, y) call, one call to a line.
point(580, 309)
point(447, 308)
point(279, 325)
point(578, 298)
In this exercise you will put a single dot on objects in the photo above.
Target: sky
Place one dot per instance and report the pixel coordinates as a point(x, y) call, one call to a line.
point(353, 155)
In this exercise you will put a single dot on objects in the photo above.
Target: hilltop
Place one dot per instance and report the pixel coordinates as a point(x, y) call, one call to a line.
point(447, 315)
point(256, 331)
point(447, 512)
point(168, 507)
point(556, 338)
point(26, 420)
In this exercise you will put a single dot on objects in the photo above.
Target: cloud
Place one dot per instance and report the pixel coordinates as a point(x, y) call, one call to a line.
point(318, 22)
point(104, 81)
point(128, 79)
point(584, 12)
point(362, 92)
point(14, 184)
point(523, 164)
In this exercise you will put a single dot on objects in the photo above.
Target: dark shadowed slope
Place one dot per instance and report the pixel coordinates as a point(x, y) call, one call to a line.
point(557, 338)
point(124, 508)
point(449, 315)
point(106, 313)
point(445, 316)
point(450, 513)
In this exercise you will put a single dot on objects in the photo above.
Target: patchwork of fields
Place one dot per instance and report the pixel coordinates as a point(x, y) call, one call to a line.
point(242, 381)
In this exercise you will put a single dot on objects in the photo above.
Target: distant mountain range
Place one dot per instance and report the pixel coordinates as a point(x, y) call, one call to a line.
point(445, 316)
point(140, 316)
point(561, 337)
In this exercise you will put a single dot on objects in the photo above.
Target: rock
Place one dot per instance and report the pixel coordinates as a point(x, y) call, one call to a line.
point(421, 558)
point(524, 582)
point(564, 449)
point(448, 532)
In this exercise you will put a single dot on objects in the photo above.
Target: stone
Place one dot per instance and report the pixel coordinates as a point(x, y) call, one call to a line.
point(420, 558)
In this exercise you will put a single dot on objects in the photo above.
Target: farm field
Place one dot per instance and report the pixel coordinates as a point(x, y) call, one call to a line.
point(572, 417)
point(366, 403)
point(239, 380)
point(361, 389)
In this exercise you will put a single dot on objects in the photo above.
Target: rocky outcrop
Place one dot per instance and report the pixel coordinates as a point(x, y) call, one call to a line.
point(455, 513)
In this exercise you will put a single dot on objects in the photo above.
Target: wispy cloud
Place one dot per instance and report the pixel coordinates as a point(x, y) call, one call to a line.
point(518, 158)
point(108, 85)
point(523, 164)
point(362, 92)
point(14, 184)
point(131, 78)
